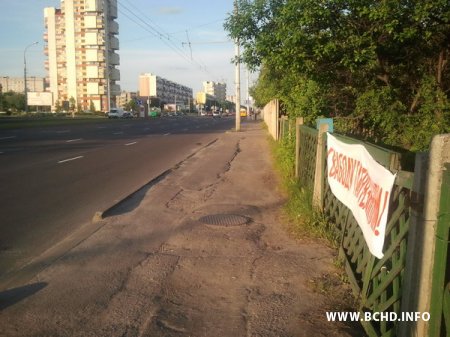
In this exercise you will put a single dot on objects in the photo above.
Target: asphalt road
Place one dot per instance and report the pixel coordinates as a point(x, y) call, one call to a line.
point(54, 179)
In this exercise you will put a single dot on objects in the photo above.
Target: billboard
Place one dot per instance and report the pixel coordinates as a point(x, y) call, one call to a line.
point(40, 98)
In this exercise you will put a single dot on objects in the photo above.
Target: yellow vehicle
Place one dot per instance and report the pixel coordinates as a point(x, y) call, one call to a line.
point(243, 112)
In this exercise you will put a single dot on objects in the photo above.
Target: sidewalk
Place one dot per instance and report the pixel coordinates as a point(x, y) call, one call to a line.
point(202, 252)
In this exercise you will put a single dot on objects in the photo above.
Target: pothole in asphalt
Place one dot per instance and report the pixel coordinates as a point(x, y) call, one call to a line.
point(224, 220)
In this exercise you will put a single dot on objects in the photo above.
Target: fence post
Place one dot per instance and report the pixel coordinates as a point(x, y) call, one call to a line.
point(298, 123)
point(319, 173)
point(416, 294)
point(416, 228)
point(275, 116)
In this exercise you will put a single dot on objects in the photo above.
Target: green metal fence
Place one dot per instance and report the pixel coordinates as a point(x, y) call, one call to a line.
point(416, 248)
point(378, 283)
point(307, 153)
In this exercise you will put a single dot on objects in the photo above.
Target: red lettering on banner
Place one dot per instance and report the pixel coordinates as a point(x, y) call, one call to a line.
point(343, 168)
point(364, 186)
point(332, 169)
point(354, 177)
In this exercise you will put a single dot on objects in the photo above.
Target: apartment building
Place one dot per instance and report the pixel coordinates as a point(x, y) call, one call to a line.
point(167, 91)
point(16, 84)
point(81, 44)
point(216, 89)
point(124, 98)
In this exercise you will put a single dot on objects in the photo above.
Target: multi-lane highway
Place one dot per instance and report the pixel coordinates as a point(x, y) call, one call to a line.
point(54, 179)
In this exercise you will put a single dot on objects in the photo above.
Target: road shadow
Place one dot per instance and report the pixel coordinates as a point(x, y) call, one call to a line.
point(15, 295)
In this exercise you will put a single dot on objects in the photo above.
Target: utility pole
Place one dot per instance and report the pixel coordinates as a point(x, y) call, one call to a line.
point(248, 94)
point(106, 5)
point(237, 76)
point(25, 74)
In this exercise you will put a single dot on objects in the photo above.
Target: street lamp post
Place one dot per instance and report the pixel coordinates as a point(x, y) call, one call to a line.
point(25, 74)
point(237, 76)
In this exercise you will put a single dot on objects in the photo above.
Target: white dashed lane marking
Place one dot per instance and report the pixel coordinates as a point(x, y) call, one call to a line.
point(70, 159)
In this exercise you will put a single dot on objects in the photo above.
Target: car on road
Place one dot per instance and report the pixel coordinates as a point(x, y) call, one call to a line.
point(216, 114)
point(116, 113)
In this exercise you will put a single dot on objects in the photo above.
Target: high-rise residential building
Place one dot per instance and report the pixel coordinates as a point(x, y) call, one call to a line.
point(216, 89)
point(167, 91)
point(81, 44)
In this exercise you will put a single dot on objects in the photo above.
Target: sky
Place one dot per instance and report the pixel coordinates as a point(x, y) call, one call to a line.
point(154, 37)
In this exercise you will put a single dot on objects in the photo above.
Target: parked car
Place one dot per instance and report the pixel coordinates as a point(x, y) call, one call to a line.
point(216, 114)
point(116, 113)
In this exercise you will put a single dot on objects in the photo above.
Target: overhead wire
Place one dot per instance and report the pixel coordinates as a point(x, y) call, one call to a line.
point(159, 33)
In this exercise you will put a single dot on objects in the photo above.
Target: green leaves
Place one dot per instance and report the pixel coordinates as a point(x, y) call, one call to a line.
point(344, 57)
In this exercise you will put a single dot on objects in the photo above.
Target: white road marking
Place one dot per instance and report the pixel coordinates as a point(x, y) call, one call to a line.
point(118, 133)
point(73, 140)
point(130, 144)
point(70, 159)
point(166, 134)
point(9, 137)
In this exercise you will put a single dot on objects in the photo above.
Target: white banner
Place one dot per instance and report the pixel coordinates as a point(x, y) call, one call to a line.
point(364, 186)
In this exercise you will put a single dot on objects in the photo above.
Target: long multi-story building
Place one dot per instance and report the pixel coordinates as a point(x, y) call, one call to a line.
point(16, 84)
point(81, 40)
point(167, 91)
point(216, 89)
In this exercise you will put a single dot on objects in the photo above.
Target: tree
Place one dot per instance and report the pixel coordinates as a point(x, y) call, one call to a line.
point(353, 55)
point(131, 105)
point(12, 101)
point(58, 107)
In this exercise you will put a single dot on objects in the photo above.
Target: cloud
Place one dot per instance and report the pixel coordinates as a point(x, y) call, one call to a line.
point(170, 10)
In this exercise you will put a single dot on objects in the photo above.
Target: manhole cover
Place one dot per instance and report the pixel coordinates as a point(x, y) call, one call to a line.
point(224, 219)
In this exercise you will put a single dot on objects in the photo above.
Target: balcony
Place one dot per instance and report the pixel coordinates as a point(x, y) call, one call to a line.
point(92, 88)
point(114, 43)
point(114, 89)
point(114, 74)
point(93, 6)
point(114, 59)
point(113, 9)
point(92, 22)
point(113, 27)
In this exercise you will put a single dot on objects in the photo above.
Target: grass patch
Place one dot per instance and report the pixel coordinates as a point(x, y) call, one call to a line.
point(304, 220)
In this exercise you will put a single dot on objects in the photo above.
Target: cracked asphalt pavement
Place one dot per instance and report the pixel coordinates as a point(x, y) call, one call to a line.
point(158, 265)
